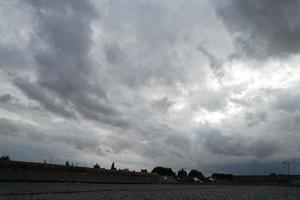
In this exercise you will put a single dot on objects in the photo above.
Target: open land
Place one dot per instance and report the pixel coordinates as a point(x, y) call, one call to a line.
point(76, 191)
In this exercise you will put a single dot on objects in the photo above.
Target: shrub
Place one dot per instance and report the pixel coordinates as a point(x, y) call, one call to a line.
point(182, 173)
point(5, 158)
point(96, 166)
point(195, 173)
point(163, 171)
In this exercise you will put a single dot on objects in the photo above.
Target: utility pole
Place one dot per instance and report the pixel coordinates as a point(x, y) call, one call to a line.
point(288, 164)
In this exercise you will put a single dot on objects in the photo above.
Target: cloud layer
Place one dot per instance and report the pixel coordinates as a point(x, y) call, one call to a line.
point(263, 29)
point(205, 84)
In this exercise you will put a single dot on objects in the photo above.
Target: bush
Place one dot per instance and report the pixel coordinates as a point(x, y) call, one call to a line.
point(96, 166)
point(5, 158)
point(195, 173)
point(163, 171)
point(182, 173)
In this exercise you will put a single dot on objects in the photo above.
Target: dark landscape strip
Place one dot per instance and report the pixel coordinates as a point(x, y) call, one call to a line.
point(103, 190)
point(47, 193)
point(87, 182)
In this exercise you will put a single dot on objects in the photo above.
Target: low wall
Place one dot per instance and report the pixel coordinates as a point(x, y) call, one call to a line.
point(266, 180)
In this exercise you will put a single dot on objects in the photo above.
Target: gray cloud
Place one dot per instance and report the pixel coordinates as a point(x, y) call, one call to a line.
point(65, 83)
point(287, 99)
point(5, 98)
point(69, 137)
point(15, 37)
point(44, 97)
point(162, 104)
point(215, 64)
point(263, 29)
point(7, 128)
point(209, 99)
point(77, 141)
point(253, 119)
point(218, 143)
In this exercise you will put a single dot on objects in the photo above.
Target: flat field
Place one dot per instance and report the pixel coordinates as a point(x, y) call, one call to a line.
point(74, 191)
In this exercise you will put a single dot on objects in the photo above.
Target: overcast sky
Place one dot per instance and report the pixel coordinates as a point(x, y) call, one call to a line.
point(207, 84)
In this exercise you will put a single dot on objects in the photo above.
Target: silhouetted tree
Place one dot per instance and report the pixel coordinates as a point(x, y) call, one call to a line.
point(195, 173)
point(96, 166)
point(113, 166)
point(5, 158)
point(144, 171)
point(163, 171)
point(67, 164)
point(182, 173)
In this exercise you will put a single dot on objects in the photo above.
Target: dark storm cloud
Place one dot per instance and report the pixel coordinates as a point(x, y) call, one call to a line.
point(35, 92)
point(11, 57)
point(221, 144)
point(65, 83)
point(5, 98)
point(263, 28)
point(70, 136)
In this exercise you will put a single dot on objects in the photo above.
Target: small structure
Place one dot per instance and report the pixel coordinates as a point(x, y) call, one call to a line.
point(197, 180)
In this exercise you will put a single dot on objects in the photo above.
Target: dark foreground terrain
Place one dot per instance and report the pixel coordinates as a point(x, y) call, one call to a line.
point(73, 191)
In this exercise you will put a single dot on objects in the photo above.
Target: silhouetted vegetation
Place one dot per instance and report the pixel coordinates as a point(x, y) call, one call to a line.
point(5, 158)
point(96, 166)
point(182, 173)
point(197, 174)
point(113, 166)
point(144, 171)
point(163, 171)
